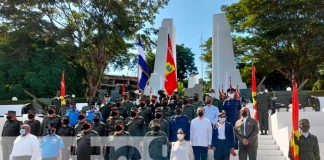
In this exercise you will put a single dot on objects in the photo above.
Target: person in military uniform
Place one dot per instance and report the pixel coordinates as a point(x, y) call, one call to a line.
point(167, 112)
point(153, 104)
point(99, 126)
point(120, 137)
point(67, 133)
point(216, 102)
point(33, 123)
point(10, 131)
point(122, 110)
point(135, 125)
point(110, 122)
point(264, 103)
point(164, 125)
point(51, 117)
point(106, 109)
point(65, 107)
point(197, 103)
point(84, 139)
point(307, 142)
point(127, 104)
point(175, 101)
point(156, 142)
point(145, 112)
point(81, 120)
point(232, 107)
point(188, 109)
point(56, 101)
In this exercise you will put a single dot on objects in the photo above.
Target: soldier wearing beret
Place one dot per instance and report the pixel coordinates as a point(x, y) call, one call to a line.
point(308, 143)
point(10, 131)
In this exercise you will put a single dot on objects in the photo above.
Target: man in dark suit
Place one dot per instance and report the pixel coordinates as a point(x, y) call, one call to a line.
point(246, 130)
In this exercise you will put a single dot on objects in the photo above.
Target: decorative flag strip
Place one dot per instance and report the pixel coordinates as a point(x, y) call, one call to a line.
point(170, 82)
point(143, 70)
point(256, 117)
point(295, 134)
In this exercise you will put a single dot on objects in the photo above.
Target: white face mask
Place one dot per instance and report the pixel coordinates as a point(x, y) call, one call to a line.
point(180, 136)
point(222, 120)
point(231, 95)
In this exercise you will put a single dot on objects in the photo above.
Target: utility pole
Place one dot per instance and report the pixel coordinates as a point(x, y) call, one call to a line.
point(202, 63)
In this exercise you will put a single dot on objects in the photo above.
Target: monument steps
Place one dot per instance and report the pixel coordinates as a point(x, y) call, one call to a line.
point(268, 149)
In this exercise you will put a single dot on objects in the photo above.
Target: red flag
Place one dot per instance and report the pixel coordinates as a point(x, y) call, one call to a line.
point(230, 82)
point(170, 82)
point(123, 89)
point(62, 85)
point(256, 117)
point(237, 93)
point(295, 134)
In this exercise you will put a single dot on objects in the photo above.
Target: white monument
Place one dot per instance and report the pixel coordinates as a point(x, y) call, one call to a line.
point(223, 64)
point(156, 81)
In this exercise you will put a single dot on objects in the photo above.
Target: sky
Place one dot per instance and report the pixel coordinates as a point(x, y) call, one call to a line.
point(193, 22)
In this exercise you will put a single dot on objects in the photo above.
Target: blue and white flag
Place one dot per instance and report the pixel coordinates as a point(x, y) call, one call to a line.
point(143, 70)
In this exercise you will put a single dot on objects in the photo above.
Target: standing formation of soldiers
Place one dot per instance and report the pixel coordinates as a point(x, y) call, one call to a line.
point(151, 117)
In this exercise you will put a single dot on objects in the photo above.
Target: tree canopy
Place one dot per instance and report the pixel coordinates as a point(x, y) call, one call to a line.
point(99, 33)
point(283, 37)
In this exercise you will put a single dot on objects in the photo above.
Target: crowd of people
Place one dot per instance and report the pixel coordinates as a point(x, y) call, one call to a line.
point(153, 128)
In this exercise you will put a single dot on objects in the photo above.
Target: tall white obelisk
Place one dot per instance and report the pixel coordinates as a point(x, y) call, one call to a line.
point(223, 63)
point(157, 78)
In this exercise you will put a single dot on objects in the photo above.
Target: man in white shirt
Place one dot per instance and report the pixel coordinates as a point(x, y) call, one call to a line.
point(211, 111)
point(26, 146)
point(201, 135)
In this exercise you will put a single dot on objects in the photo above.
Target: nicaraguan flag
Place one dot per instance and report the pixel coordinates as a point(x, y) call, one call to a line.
point(143, 70)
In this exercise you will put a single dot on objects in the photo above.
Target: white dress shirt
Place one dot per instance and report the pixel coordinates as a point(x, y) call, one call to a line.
point(211, 113)
point(181, 151)
point(26, 146)
point(244, 125)
point(201, 132)
point(221, 131)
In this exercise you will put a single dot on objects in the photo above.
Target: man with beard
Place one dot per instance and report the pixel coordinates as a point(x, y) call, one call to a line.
point(33, 123)
point(10, 131)
point(178, 121)
point(51, 117)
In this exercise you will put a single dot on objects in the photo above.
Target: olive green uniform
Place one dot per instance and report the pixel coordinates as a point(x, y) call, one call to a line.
point(264, 104)
point(111, 121)
point(135, 126)
point(128, 105)
point(84, 149)
point(197, 104)
point(189, 111)
point(308, 148)
point(164, 125)
point(100, 128)
point(34, 126)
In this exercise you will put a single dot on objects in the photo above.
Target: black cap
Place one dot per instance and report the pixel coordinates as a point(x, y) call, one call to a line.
point(11, 112)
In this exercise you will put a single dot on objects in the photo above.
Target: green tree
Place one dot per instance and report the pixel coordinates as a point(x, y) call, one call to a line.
point(185, 62)
point(284, 36)
point(100, 31)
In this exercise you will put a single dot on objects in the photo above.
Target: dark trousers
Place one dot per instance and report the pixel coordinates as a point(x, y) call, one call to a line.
point(222, 151)
point(263, 120)
point(200, 153)
point(247, 150)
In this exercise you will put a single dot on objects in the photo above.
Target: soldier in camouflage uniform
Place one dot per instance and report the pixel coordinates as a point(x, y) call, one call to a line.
point(308, 143)
point(127, 104)
point(110, 122)
point(122, 110)
point(175, 100)
point(156, 142)
point(81, 120)
point(135, 125)
point(167, 112)
point(197, 103)
point(145, 112)
point(188, 109)
point(98, 126)
point(120, 137)
point(164, 125)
